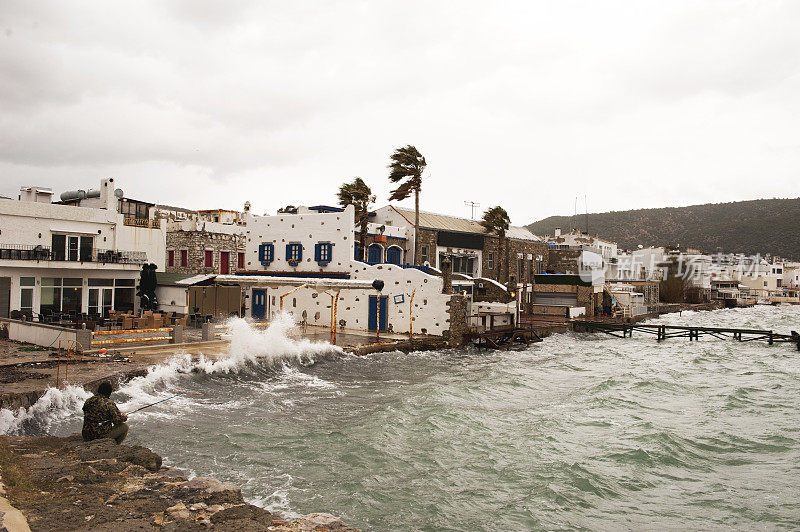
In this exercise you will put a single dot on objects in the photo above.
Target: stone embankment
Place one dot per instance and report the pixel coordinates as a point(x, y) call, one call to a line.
point(69, 484)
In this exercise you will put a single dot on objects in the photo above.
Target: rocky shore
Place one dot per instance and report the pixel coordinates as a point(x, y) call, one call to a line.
point(69, 484)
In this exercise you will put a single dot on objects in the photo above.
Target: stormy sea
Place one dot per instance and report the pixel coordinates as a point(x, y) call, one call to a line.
point(578, 431)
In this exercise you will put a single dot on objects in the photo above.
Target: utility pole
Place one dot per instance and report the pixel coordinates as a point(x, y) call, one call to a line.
point(472, 205)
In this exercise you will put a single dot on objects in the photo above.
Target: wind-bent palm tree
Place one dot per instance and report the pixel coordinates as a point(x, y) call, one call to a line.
point(359, 195)
point(496, 220)
point(408, 164)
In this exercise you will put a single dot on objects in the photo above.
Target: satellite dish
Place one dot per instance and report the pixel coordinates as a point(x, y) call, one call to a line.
point(119, 193)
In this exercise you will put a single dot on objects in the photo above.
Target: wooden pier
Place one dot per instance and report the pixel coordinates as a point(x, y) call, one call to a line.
point(498, 331)
point(663, 332)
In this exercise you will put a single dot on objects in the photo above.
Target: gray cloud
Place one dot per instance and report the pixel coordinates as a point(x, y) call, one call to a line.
point(525, 105)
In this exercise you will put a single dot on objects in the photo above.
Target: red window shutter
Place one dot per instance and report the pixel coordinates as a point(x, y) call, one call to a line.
point(171, 258)
point(240, 263)
point(209, 259)
point(184, 257)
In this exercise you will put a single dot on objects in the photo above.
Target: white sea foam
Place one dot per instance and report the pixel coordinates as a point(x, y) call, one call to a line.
point(250, 347)
point(54, 405)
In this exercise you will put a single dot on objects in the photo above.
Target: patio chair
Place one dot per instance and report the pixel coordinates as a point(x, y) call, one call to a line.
point(155, 321)
point(127, 322)
point(180, 320)
point(141, 322)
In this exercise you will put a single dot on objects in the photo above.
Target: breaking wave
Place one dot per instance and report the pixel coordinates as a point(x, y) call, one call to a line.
point(53, 406)
point(251, 350)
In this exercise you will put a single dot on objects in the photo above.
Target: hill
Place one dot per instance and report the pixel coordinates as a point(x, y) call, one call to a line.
point(750, 227)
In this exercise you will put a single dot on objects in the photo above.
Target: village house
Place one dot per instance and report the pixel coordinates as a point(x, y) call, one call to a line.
point(466, 244)
point(80, 255)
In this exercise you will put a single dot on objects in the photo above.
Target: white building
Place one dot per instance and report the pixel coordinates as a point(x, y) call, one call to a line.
point(300, 262)
point(80, 255)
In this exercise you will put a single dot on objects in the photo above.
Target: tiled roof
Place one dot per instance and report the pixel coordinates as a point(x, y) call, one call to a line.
point(444, 222)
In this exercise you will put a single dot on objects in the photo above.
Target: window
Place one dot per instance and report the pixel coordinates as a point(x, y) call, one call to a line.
point(171, 258)
point(374, 254)
point(184, 257)
point(72, 248)
point(59, 244)
point(393, 255)
point(61, 295)
point(294, 253)
point(490, 260)
point(209, 262)
point(323, 252)
point(266, 253)
point(423, 252)
point(240, 261)
point(357, 251)
point(86, 245)
point(26, 294)
point(520, 269)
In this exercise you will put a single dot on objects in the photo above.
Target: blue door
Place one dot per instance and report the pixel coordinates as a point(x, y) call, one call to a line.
point(373, 312)
point(393, 255)
point(259, 304)
point(374, 254)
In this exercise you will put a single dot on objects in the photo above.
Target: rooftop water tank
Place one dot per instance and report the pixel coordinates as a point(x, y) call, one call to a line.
point(72, 195)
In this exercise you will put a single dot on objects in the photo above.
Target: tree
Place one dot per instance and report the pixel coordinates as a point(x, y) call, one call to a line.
point(407, 166)
point(496, 220)
point(360, 196)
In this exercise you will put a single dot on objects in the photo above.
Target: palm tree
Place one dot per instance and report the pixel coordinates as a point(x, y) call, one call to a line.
point(408, 164)
point(496, 220)
point(359, 195)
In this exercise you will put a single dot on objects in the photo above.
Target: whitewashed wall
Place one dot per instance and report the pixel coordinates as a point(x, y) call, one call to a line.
point(306, 229)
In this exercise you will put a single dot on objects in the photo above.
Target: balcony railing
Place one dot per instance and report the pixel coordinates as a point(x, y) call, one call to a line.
point(43, 253)
point(155, 223)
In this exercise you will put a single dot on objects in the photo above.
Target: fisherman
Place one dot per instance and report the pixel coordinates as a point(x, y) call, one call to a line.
point(102, 418)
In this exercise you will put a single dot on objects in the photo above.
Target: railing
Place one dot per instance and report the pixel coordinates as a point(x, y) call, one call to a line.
point(42, 253)
point(421, 267)
point(155, 223)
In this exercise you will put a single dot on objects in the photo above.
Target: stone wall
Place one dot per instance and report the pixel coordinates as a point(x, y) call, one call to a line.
point(196, 243)
point(427, 239)
point(529, 250)
point(490, 291)
point(457, 312)
point(563, 260)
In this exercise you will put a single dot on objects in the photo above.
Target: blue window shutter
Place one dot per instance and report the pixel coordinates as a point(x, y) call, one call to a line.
point(288, 252)
point(299, 248)
point(262, 253)
point(317, 252)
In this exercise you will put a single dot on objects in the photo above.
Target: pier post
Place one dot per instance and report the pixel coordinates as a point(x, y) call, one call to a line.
point(176, 334)
point(771, 339)
point(207, 333)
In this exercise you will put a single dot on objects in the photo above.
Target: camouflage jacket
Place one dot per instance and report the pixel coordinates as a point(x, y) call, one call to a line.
point(100, 414)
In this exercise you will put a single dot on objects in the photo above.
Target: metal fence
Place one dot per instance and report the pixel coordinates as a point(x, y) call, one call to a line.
point(44, 253)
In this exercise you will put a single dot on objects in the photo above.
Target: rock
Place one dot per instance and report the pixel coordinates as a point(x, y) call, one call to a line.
point(209, 491)
point(198, 506)
point(243, 512)
point(320, 522)
point(179, 511)
point(66, 478)
point(108, 448)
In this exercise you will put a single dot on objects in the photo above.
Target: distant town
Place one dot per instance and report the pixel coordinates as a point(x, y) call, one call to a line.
point(95, 258)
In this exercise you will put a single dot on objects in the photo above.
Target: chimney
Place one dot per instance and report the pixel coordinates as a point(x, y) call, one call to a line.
point(447, 276)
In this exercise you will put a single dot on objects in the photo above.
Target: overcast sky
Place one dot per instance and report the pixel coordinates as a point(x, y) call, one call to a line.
point(528, 105)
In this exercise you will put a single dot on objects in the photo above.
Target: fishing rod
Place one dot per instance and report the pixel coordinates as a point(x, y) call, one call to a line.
point(153, 404)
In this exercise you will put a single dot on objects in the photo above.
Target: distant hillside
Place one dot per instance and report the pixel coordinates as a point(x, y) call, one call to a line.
point(750, 227)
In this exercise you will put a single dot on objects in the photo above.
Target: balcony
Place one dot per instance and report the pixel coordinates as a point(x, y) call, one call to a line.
point(43, 253)
point(144, 223)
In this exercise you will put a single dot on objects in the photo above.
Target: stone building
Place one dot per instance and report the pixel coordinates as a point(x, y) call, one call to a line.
point(198, 247)
point(471, 250)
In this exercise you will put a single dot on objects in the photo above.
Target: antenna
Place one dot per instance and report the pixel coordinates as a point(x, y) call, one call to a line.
point(586, 204)
point(472, 205)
